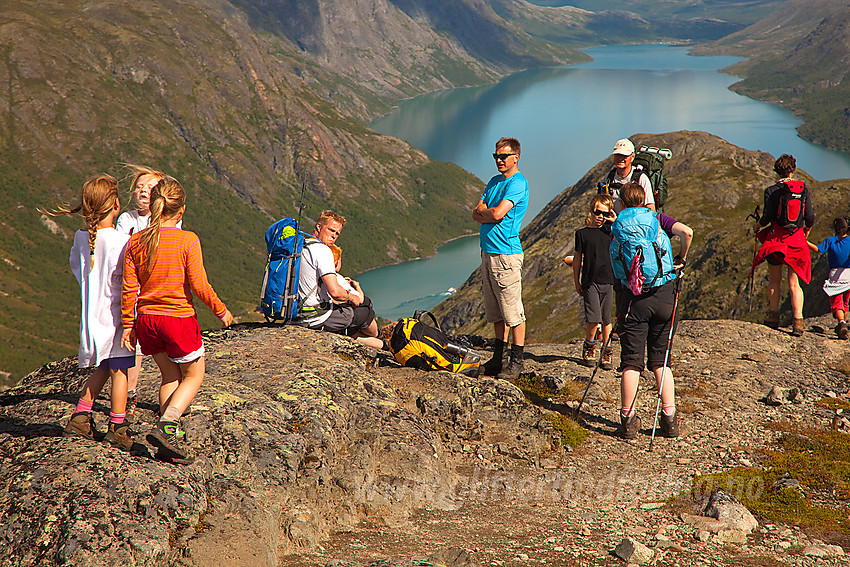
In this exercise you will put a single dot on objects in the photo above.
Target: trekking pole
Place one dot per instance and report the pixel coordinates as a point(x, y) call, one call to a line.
point(590, 383)
point(755, 215)
point(666, 356)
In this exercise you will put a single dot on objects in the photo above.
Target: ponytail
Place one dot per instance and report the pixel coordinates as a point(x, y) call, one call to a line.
point(167, 198)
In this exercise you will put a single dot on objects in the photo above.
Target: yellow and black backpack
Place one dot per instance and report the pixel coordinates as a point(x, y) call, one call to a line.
point(418, 345)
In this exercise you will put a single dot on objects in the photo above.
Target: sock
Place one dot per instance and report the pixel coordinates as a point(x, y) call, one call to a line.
point(116, 418)
point(516, 352)
point(590, 342)
point(668, 409)
point(84, 406)
point(171, 413)
point(627, 411)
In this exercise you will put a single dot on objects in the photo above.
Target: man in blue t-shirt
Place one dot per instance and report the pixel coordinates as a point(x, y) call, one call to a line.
point(500, 212)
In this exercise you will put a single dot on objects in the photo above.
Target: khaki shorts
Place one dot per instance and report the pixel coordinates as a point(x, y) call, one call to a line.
point(501, 279)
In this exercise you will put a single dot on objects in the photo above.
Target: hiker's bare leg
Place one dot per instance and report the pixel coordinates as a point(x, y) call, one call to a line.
point(590, 332)
point(94, 384)
point(774, 281)
point(171, 377)
point(500, 331)
point(193, 377)
point(518, 334)
point(118, 395)
point(629, 386)
point(796, 294)
point(668, 392)
point(606, 332)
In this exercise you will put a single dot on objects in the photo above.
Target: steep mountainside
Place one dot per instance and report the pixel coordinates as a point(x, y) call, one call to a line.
point(713, 186)
point(799, 58)
point(240, 115)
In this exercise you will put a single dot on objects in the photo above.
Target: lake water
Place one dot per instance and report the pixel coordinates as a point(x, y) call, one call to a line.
point(567, 119)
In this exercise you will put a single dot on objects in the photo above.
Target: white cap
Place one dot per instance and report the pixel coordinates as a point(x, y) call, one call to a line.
point(623, 147)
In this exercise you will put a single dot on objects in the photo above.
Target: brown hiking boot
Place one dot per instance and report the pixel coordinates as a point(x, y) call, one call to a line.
point(511, 370)
point(842, 330)
point(81, 424)
point(669, 425)
point(588, 354)
point(772, 319)
point(629, 426)
point(606, 358)
point(118, 436)
point(797, 327)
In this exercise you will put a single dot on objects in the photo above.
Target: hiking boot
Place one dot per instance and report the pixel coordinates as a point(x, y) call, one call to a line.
point(118, 436)
point(797, 327)
point(81, 424)
point(669, 425)
point(842, 330)
point(629, 426)
point(772, 319)
point(511, 370)
point(131, 409)
point(166, 436)
point(494, 366)
point(588, 354)
point(606, 358)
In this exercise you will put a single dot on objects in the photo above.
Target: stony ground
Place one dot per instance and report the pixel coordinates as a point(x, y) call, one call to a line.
point(314, 451)
point(575, 508)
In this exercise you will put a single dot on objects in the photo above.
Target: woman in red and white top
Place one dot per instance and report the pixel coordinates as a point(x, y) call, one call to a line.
point(163, 268)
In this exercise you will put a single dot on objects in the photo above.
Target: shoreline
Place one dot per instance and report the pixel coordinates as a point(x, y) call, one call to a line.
point(437, 249)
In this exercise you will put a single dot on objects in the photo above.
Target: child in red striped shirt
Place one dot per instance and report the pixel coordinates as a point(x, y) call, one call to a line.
point(163, 267)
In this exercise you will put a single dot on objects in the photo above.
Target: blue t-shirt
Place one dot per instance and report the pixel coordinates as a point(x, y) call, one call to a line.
point(837, 251)
point(503, 237)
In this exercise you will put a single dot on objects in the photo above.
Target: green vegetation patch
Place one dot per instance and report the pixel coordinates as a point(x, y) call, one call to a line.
point(818, 459)
point(834, 403)
point(536, 391)
point(572, 433)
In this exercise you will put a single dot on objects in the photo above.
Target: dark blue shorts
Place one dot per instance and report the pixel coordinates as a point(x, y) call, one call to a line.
point(118, 363)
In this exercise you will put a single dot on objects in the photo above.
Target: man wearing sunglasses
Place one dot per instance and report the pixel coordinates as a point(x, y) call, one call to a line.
point(500, 212)
point(623, 172)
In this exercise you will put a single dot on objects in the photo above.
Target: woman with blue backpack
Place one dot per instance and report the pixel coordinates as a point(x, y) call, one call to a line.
point(643, 261)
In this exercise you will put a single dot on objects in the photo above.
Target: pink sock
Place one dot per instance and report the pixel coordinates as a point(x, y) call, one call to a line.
point(84, 406)
point(116, 418)
point(627, 411)
point(668, 409)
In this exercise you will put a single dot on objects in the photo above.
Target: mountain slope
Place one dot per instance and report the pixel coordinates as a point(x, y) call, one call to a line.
point(713, 186)
point(798, 57)
point(240, 116)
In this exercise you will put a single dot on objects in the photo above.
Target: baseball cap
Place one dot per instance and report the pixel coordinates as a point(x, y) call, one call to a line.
point(623, 147)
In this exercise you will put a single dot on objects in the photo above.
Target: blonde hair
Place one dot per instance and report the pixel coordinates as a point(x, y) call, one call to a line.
point(326, 215)
point(98, 199)
point(337, 252)
point(601, 199)
point(167, 198)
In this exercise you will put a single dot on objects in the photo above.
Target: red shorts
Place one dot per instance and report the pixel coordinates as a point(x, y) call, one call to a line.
point(178, 337)
point(839, 302)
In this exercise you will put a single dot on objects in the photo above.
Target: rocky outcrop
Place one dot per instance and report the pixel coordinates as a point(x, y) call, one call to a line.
point(312, 449)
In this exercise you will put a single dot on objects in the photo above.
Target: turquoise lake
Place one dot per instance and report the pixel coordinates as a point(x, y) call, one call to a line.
point(567, 119)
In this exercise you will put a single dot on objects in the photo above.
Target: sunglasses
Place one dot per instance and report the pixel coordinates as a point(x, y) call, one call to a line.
point(599, 213)
point(502, 157)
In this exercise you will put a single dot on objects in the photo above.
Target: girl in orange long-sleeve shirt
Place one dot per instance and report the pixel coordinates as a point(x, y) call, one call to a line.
point(163, 267)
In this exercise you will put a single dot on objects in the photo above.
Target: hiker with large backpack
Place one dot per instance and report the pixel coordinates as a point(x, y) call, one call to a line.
point(785, 223)
point(345, 313)
point(643, 261)
point(625, 171)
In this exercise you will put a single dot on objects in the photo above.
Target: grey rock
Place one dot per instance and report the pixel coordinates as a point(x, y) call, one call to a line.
point(632, 551)
point(727, 509)
point(823, 550)
point(775, 397)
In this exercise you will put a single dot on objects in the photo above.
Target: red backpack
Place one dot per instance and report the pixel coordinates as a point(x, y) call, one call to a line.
point(791, 211)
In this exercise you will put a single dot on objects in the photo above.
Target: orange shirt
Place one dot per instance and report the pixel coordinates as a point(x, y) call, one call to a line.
point(167, 290)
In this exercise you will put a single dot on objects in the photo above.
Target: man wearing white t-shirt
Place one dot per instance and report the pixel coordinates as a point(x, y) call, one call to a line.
point(624, 155)
point(348, 313)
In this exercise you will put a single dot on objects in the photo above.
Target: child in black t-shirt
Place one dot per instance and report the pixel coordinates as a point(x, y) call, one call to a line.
point(594, 278)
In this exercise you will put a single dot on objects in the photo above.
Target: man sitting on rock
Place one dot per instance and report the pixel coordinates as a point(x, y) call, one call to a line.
point(348, 313)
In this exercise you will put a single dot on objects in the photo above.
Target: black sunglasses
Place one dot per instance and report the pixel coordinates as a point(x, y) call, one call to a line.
point(597, 212)
point(502, 157)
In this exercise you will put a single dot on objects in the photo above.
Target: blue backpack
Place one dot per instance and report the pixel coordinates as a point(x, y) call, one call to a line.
point(641, 255)
point(279, 295)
